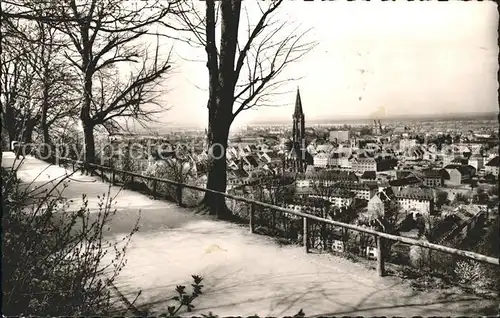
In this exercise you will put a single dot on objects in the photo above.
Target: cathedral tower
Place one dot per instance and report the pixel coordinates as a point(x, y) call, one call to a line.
point(298, 158)
point(299, 129)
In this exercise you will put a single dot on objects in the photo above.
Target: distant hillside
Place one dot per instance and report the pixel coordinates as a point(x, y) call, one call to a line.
point(365, 120)
point(166, 127)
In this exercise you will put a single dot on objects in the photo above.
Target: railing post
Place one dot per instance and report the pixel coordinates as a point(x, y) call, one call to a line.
point(285, 230)
point(113, 176)
point(179, 194)
point(380, 256)
point(154, 188)
point(252, 212)
point(305, 236)
point(102, 174)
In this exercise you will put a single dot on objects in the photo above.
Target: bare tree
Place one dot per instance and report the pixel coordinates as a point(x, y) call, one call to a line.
point(16, 10)
point(19, 116)
point(344, 214)
point(321, 188)
point(12, 77)
point(104, 38)
point(388, 220)
point(57, 98)
point(11, 80)
point(241, 73)
point(33, 58)
point(179, 168)
point(99, 32)
point(275, 189)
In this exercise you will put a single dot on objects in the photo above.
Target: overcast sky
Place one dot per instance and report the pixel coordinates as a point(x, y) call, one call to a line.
point(388, 58)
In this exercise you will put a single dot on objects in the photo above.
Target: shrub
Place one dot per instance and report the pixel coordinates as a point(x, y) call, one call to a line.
point(163, 171)
point(442, 198)
point(177, 171)
point(462, 198)
point(54, 260)
point(57, 262)
point(184, 299)
point(471, 273)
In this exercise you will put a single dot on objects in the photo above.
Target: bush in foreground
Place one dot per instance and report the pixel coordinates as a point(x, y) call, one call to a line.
point(55, 261)
point(58, 262)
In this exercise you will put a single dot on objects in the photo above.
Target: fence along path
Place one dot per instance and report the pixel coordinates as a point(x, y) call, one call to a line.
point(250, 274)
point(380, 236)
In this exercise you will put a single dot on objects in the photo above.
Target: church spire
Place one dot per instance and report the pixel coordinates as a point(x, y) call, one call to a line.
point(299, 135)
point(298, 106)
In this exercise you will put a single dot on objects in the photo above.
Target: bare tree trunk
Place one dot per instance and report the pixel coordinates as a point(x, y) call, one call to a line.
point(88, 132)
point(88, 126)
point(10, 124)
point(224, 69)
point(45, 109)
point(28, 130)
point(345, 237)
point(217, 167)
point(221, 99)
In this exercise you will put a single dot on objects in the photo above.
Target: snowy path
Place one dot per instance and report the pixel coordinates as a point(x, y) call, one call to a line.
point(243, 274)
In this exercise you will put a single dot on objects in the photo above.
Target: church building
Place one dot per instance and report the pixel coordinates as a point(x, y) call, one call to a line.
point(298, 158)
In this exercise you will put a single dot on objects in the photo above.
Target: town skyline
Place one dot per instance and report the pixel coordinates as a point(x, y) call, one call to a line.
point(361, 120)
point(420, 59)
point(288, 158)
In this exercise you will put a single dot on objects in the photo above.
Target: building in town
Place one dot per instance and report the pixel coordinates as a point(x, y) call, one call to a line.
point(477, 161)
point(380, 203)
point(492, 167)
point(360, 164)
point(433, 178)
point(321, 160)
point(324, 178)
point(363, 191)
point(415, 200)
point(407, 144)
point(337, 197)
point(339, 136)
point(407, 200)
point(316, 206)
point(457, 174)
point(298, 158)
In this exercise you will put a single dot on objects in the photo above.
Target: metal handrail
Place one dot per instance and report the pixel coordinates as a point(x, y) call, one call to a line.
point(379, 235)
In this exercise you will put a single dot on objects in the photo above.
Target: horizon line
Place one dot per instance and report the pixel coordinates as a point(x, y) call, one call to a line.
point(390, 117)
point(460, 115)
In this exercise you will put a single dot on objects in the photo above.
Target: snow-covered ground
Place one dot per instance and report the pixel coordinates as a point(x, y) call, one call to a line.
point(244, 274)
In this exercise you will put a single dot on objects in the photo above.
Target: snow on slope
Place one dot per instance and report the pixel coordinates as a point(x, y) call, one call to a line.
point(244, 274)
